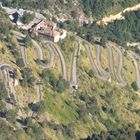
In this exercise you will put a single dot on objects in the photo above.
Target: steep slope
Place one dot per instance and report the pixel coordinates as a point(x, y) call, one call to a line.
point(97, 105)
point(37, 100)
point(80, 10)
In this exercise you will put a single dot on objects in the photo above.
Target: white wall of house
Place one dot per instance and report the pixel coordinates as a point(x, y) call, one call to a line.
point(24, 27)
point(63, 35)
point(19, 23)
point(57, 38)
point(54, 27)
point(11, 17)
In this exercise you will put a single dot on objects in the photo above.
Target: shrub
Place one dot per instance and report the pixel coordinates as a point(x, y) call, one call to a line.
point(19, 62)
point(28, 78)
point(73, 14)
point(11, 116)
point(58, 85)
point(134, 85)
point(27, 41)
point(91, 73)
point(27, 18)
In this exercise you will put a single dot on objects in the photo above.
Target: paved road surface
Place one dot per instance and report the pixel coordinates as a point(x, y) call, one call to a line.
point(14, 91)
point(40, 54)
point(94, 67)
point(5, 76)
point(98, 53)
point(38, 91)
point(89, 54)
point(52, 56)
point(39, 50)
point(111, 61)
point(74, 65)
point(137, 67)
point(20, 36)
point(118, 16)
point(121, 61)
point(24, 55)
point(63, 63)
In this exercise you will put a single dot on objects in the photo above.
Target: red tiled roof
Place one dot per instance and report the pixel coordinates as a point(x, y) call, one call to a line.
point(47, 27)
point(47, 23)
point(55, 33)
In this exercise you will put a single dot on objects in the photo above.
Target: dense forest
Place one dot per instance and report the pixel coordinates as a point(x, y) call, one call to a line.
point(119, 31)
point(122, 31)
point(98, 8)
point(27, 3)
point(34, 4)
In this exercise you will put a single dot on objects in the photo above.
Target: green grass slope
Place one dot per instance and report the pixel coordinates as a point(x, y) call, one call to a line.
point(73, 114)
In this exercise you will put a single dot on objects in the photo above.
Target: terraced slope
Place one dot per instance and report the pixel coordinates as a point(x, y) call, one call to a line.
point(102, 100)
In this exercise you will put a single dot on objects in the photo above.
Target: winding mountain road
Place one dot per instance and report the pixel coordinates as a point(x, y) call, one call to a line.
point(63, 63)
point(5, 77)
point(98, 54)
point(89, 54)
point(39, 50)
point(52, 56)
point(118, 16)
point(122, 83)
point(137, 68)
point(20, 37)
point(40, 54)
point(111, 61)
point(3, 68)
point(74, 65)
point(18, 34)
point(38, 91)
point(24, 55)
point(94, 67)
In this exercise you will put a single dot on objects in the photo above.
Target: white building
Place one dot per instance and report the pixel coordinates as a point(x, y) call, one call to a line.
point(49, 30)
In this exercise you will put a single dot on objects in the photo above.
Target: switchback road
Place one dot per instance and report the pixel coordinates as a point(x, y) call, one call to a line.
point(74, 65)
point(111, 61)
point(121, 62)
point(98, 53)
point(137, 67)
point(63, 62)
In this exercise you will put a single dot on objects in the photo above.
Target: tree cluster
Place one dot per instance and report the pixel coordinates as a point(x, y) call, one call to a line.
point(58, 85)
point(99, 8)
point(27, 17)
point(125, 30)
point(126, 133)
point(29, 4)
point(28, 78)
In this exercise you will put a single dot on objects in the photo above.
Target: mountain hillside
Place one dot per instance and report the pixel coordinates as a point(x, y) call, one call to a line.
point(85, 86)
point(81, 10)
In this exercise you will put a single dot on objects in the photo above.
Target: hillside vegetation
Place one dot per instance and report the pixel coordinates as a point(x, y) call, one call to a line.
point(122, 31)
point(96, 8)
point(99, 8)
point(119, 31)
point(79, 88)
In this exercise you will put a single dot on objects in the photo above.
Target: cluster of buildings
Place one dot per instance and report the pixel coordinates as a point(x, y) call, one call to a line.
point(47, 29)
point(40, 25)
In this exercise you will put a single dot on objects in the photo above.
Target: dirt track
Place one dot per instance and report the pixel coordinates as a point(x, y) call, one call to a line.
point(118, 16)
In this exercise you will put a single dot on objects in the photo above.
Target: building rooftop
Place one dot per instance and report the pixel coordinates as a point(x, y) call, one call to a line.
point(47, 24)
